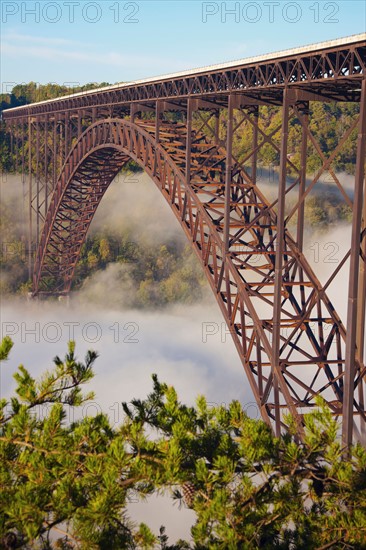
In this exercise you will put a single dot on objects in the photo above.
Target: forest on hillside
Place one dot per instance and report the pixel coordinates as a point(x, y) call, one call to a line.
point(152, 275)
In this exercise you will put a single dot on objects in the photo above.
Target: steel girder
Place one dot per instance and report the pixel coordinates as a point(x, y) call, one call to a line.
point(289, 337)
point(331, 71)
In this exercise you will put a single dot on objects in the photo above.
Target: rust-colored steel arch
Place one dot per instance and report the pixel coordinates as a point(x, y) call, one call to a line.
point(238, 248)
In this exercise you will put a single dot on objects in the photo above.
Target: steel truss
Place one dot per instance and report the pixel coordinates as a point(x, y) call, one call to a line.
point(290, 339)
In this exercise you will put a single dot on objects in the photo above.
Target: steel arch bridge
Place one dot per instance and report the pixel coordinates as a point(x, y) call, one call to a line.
point(182, 130)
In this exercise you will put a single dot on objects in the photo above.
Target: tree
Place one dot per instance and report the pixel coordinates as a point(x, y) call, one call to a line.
point(248, 489)
point(71, 479)
point(252, 490)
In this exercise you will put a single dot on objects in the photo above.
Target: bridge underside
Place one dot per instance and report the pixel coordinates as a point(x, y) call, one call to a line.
point(250, 237)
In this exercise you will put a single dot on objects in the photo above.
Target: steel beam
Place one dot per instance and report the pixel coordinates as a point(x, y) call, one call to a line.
point(255, 115)
point(279, 252)
point(302, 182)
point(228, 172)
point(189, 141)
point(30, 193)
point(356, 303)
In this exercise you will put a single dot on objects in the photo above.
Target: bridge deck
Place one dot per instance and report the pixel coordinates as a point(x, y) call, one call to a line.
point(330, 70)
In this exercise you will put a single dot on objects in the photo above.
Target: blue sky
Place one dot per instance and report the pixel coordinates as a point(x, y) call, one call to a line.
point(79, 41)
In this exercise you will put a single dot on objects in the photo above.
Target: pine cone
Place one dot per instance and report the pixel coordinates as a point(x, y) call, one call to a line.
point(189, 492)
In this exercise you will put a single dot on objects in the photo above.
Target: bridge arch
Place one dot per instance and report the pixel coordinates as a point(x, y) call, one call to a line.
point(93, 162)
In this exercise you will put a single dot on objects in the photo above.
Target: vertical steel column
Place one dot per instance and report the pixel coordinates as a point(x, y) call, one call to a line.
point(228, 178)
point(132, 120)
point(132, 113)
point(17, 147)
point(12, 145)
point(361, 318)
point(189, 140)
point(188, 151)
point(30, 184)
point(279, 243)
point(355, 305)
point(255, 145)
point(302, 183)
point(79, 124)
point(24, 129)
point(61, 140)
point(54, 153)
point(228, 171)
point(66, 144)
point(255, 113)
point(45, 165)
point(158, 112)
point(217, 127)
point(37, 180)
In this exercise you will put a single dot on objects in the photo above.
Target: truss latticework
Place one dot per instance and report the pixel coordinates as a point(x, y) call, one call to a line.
point(291, 341)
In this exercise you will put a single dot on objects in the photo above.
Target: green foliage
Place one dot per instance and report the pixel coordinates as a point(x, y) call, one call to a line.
point(252, 490)
point(5, 348)
point(247, 488)
point(328, 124)
point(75, 477)
point(5, 154)
point(22, 94)
point(14, 272)
point(322, 211)
point(159, 275)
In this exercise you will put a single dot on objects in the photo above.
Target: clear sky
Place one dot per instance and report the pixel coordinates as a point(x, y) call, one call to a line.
point(79, 41)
